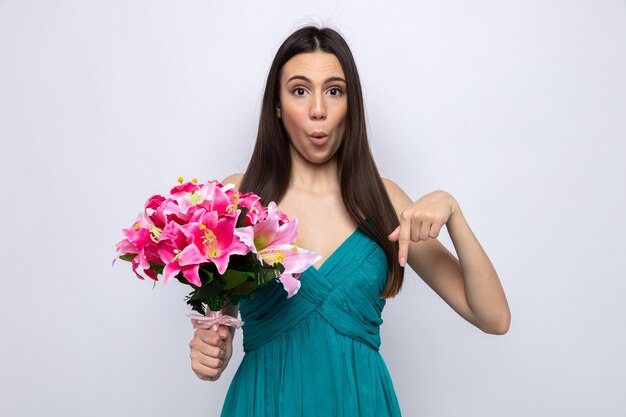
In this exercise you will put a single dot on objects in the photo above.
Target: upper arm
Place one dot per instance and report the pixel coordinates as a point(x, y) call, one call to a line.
point(439, 269)
point(399, 199)
point(233, 179)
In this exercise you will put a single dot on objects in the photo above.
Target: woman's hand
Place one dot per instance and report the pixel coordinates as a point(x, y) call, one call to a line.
point(423, 220)
point(210, 352)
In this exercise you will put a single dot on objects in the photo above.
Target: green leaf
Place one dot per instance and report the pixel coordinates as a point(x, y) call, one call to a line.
point(128, 257)
point(267, 273)
point(245, 289)
point(196, 306)
point(216, 303)
point(211, 295)
point(158, 268)
point(241, 220)
point(206, 277)
point(234, 278)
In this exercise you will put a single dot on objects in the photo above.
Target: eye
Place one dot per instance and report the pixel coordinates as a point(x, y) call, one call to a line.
point(335, 91)
point(299, 91)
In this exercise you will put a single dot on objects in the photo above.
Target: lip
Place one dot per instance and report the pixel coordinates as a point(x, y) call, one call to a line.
point(318, 138)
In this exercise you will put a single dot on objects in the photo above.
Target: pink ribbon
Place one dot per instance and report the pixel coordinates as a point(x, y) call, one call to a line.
point(213, 320)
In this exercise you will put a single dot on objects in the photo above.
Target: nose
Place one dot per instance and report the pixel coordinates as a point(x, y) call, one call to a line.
point(317, 110)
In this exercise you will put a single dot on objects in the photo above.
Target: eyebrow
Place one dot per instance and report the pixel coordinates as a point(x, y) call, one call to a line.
point(328, 80)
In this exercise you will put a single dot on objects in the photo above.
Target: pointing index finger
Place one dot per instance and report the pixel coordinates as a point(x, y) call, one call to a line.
point(403, 240)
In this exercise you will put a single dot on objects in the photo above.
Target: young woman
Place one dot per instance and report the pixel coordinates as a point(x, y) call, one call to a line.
point(316, 354)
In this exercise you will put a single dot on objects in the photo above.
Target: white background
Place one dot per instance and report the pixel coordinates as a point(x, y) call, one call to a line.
point(517, 108)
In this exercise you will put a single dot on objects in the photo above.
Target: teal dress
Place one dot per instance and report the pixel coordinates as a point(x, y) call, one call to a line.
point(316, 353)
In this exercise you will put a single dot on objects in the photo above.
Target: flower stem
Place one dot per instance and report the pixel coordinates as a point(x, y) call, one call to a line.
point(216, 302)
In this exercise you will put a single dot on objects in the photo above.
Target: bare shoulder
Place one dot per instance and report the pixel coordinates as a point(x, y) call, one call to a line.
point(399, 199)
point(233, 179)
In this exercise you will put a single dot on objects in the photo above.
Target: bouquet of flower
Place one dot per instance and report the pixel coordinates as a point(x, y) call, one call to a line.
point(222, 243)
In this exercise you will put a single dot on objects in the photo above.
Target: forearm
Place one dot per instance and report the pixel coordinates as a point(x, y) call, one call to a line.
point(483, 290)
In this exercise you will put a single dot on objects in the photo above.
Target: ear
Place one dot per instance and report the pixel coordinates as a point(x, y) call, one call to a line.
point(278, 112)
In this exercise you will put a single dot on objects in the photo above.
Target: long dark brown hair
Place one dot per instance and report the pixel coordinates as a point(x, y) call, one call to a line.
point(362, 189)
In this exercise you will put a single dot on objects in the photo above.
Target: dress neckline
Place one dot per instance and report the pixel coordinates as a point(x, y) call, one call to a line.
point(336, 252)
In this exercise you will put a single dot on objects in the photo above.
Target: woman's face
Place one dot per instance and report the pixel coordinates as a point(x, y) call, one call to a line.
point(313, 104)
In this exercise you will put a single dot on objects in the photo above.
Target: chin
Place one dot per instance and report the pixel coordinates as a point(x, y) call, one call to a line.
point(318, 160)
point(314, 156)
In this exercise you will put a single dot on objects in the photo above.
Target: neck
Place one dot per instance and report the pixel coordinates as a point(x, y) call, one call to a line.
point(311, 177)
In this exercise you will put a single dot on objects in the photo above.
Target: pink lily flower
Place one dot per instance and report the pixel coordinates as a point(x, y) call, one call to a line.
point(157, 208)
point(215, 237)
point(272, 240)
point(141, 239)
point(291, 283)
point(250, 201)
point(217, 198)
point(209, 196)
point(179, 255)
point(154, 202)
